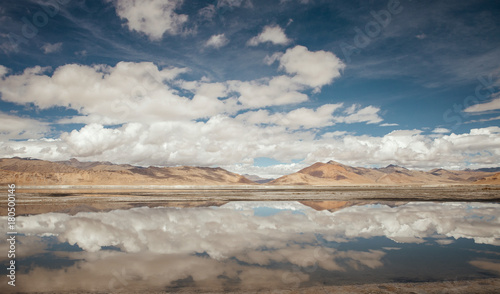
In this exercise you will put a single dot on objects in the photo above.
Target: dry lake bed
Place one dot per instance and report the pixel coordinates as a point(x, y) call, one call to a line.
point(255, 239)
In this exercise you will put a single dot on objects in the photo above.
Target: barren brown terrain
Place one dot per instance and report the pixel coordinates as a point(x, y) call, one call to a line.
point(34, 172)
point(40, 172)
point(491, 180)
point(74, 186)
point(334, 173)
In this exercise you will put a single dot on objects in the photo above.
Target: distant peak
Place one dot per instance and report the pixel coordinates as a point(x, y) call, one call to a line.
point(395, 166)
point(333, 162)
point(24, 158)
point(74, 160)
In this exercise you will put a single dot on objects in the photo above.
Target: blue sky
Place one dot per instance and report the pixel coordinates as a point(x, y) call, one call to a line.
point(261, 87)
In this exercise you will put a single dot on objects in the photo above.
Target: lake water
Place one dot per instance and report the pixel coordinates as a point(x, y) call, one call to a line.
point(255, 245)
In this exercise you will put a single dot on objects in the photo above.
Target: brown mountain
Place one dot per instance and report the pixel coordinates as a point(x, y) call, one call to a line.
point(257, 179)
point(28, 165)
point(491, 180)
point(73, 172)
point(324, 174)
point(40, 172)
point(334, 173)
point(462, 175)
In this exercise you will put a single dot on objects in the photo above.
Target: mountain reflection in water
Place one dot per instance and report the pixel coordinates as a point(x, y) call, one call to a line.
point(256, 245)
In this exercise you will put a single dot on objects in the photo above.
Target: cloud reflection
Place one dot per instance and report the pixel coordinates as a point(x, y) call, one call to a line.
point(235, 244)
point(224, 231)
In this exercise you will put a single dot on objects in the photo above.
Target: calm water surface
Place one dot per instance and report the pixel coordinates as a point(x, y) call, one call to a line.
point(255, 245)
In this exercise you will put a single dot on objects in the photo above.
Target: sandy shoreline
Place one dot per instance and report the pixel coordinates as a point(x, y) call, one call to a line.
point(465, 287)
point(72, 199)
point(460, 287)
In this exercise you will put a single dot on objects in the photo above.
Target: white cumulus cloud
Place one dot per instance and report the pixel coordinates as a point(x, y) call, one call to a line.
point(51, 48)
point(441, 131)
point(308, 118)
point(217, 41)
point(3, 71)
point(295, 119)
point(127, 92)
point(272, 34)
point(233, 143)
point(14, 127)
point(311, 68)
point(151, 17)
point(356, 114)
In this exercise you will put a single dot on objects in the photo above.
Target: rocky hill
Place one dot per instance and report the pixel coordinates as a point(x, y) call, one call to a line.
point(334, 173)
point(25, 171)
point(257, 179)
point(40, 172)
point(491, 180)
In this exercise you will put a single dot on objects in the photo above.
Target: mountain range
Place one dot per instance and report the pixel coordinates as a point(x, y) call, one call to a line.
point(334, 173)
point(73, 172)
point(27, 171)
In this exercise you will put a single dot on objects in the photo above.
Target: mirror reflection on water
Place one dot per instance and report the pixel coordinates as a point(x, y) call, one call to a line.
point(257, 245)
